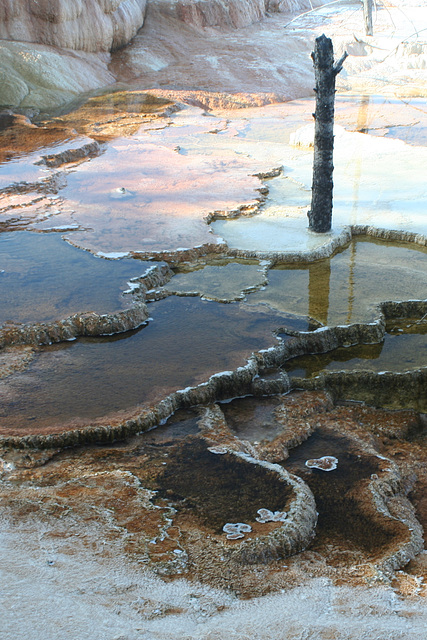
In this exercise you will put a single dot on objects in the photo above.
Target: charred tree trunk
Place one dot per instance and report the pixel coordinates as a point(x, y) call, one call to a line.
point(325, 71)
point(367, 16)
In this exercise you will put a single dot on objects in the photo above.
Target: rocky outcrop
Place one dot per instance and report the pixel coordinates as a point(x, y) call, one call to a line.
point(233, 14)
point(80, 324)
point(53, 51)
point(213, 13)
point(295, 531)
point(85, 25)
point(389, 499)
point(54, 160)
point(383, 389)
point(44, 77)
point(87, 323)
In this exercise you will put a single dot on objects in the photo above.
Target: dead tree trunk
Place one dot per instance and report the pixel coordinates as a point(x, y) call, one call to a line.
point(325, 71)
point(367, 16)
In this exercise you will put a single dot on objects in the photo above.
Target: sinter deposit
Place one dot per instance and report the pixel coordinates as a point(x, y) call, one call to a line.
point(212, 420)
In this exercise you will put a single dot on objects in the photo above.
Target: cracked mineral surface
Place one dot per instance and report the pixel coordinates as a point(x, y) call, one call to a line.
point(213, 421)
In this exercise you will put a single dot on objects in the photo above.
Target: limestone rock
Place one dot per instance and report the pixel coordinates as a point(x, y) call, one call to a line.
point(233, 14)
point(213, 13)
point(86, 25)
point(48, 57)
point(44, 77)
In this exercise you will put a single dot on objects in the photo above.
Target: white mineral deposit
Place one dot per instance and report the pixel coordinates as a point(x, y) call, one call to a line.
point(325, 463)
point(164, 150)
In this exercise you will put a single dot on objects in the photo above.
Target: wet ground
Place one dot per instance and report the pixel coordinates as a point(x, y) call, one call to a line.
point(184, 342)
point(202, 326)
point(43, 278)
point(221, 197)
point(398, 352)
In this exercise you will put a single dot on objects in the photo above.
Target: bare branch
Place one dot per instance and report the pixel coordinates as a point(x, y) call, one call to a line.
point(338, 66)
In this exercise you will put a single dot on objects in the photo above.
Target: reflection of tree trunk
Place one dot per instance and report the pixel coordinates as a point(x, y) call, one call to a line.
point(367, 16)
point(320, 214)
point(362, 124)
point(318, 290)
point(363, 127)
point(351, 281)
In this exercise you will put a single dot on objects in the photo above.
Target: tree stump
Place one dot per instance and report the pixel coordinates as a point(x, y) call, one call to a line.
point(367, 16)
point(325, 72)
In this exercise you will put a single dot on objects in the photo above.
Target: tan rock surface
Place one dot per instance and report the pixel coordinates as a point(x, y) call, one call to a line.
point(264, 59)
point(42, 77)
point(85, 25)
point(213, 42)
point(84, 535)
point(81, 533)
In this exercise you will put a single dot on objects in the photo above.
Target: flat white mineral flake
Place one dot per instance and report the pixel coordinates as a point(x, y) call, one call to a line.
point(265, 515)
point(236, 530)
point(325, 463)
point(218, 449)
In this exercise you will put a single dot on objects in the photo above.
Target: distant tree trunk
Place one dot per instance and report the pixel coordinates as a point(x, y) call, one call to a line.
point(318, 290)
point(367, 16)
point(325, 72)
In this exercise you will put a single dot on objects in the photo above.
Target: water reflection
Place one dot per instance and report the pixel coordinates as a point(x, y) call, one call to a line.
point(347, 287)
point(183, 423)
point(253, 419)
point(341, 495)
point(397, 353)
point(318, 290)
point(222, 280)
point(43, 278)
point(186, 341)
point(220, 488)
point(401, 118)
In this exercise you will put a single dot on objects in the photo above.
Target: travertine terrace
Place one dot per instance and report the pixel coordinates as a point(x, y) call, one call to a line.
point(212, 421)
